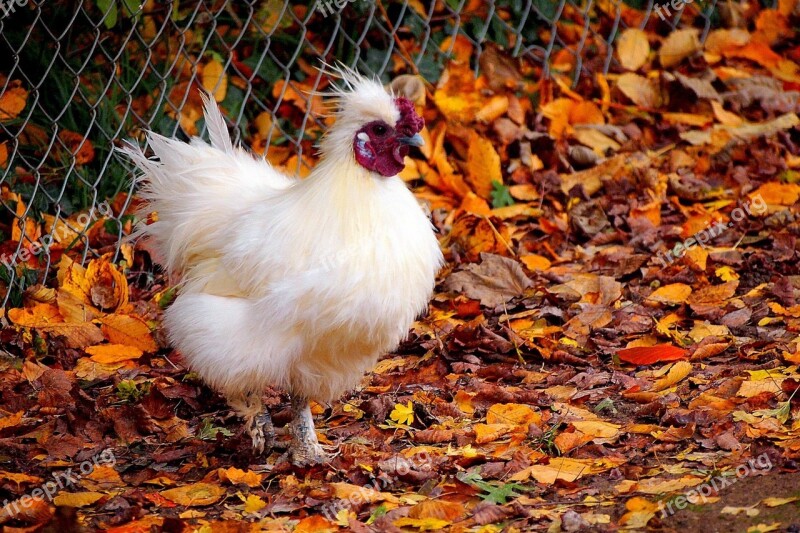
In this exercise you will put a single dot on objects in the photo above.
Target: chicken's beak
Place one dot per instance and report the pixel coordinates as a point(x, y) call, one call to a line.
point(416, 140)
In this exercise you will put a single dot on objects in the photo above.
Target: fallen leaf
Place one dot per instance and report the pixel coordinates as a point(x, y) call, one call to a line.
point(632, 48)
point(494, 281)
point(678, 45)
point(194, 495)
point(648, 355)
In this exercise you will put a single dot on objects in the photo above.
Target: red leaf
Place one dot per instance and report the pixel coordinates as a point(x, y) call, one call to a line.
point(647, 355)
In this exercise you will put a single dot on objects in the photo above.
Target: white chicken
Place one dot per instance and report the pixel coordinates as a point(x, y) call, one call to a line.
point(298, 284)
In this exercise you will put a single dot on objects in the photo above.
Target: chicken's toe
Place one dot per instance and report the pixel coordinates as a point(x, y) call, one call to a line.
point(309, 454)
point(262, 432)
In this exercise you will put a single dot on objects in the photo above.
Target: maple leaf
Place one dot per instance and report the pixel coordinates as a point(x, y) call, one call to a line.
point(493, 492)
point(501, 195)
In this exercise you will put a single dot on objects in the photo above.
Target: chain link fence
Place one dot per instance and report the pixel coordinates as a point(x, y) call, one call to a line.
point(78, 77)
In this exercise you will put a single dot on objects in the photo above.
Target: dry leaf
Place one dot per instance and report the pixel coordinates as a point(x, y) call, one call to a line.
point(494, 281)
point(632, 48)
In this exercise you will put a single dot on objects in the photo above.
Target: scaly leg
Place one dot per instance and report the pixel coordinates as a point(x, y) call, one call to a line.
point(257, 421)
point(305, 449)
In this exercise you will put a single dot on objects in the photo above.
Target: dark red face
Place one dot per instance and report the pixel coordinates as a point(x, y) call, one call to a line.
point(380, 148)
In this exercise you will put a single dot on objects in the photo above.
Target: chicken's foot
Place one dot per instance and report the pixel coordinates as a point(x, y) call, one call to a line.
point(257, 422)
point(305, 449)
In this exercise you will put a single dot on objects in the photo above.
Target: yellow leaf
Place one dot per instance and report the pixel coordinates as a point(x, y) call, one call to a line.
point(344, 516)
point(196, 494)
point(77, 499)
point(679, 370)
point(678, 45)
point(423, 524)
point(483, 166)
point(253, 504)
point(701, 330)
point(764, 528)
point(113, 353)
point(726, 273)
point(639, 90)
point(777, 502)
point(673, 294)
point(263, 122)
point(214, 80)
point(403, 414)
point(633, 48)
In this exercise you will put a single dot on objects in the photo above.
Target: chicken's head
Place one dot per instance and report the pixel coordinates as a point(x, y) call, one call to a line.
point(381, 147)
point(373, 126)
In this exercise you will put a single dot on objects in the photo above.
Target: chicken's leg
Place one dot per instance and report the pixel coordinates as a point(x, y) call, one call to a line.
point(258, 423)
point(305, 449)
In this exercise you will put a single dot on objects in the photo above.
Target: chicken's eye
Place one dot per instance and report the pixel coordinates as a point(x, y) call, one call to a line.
point(379, 130)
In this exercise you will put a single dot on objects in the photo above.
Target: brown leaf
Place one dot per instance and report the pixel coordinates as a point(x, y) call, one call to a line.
point(494, 281)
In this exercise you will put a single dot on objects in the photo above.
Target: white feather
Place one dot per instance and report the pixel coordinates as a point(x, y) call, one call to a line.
point(300, 284)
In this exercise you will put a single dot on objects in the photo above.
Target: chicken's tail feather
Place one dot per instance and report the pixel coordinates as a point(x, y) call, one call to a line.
point(194, 190)
point(217, 129)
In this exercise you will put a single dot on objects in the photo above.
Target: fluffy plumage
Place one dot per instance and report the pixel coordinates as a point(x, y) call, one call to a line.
point(299, 284)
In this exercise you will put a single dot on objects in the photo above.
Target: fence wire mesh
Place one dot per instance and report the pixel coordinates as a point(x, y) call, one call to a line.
point(77, 78)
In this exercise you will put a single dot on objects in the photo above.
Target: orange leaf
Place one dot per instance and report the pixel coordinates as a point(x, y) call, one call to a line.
point(12, 102)
point(195, 494)
point(647, 355)
point(483, 165)
point(129, 330)
point(113, 353)
point(315, 524)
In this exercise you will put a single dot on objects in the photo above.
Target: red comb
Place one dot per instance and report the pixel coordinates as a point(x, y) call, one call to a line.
point(410, 122)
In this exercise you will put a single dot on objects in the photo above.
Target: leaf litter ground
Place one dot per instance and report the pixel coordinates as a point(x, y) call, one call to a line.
point(576, 370)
